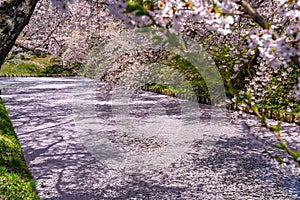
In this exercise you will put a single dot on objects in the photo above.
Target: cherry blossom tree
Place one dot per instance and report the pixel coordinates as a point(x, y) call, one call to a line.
point(68, 29)
point(14, 16)
point(252, 36)
point(269, 30)
point(260, 35)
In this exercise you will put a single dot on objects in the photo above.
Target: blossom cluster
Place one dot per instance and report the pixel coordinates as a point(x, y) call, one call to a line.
point(68, 29)
point(218, 22)
point(174, 13)
point(297, 89)
point(2, 1)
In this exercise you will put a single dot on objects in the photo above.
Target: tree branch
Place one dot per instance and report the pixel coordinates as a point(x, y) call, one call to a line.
point(263, 23)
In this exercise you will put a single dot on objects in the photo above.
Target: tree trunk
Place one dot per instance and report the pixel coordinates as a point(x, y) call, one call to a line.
point(14, 16)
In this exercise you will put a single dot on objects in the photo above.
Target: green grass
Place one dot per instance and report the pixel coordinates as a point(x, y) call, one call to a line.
point(29, 68)
point(197, 86)
point(23, 68)
point(35, 65)
point(193, 83)
point(16, 181)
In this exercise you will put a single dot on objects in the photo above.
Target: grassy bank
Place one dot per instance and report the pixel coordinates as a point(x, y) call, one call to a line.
point(276, 100)
point(16, 181)
point(35, 65)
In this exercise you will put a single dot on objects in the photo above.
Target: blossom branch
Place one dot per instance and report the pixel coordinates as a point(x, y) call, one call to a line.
point(263, 23)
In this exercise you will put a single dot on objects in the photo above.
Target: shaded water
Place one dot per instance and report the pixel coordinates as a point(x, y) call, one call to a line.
point(54, 119)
